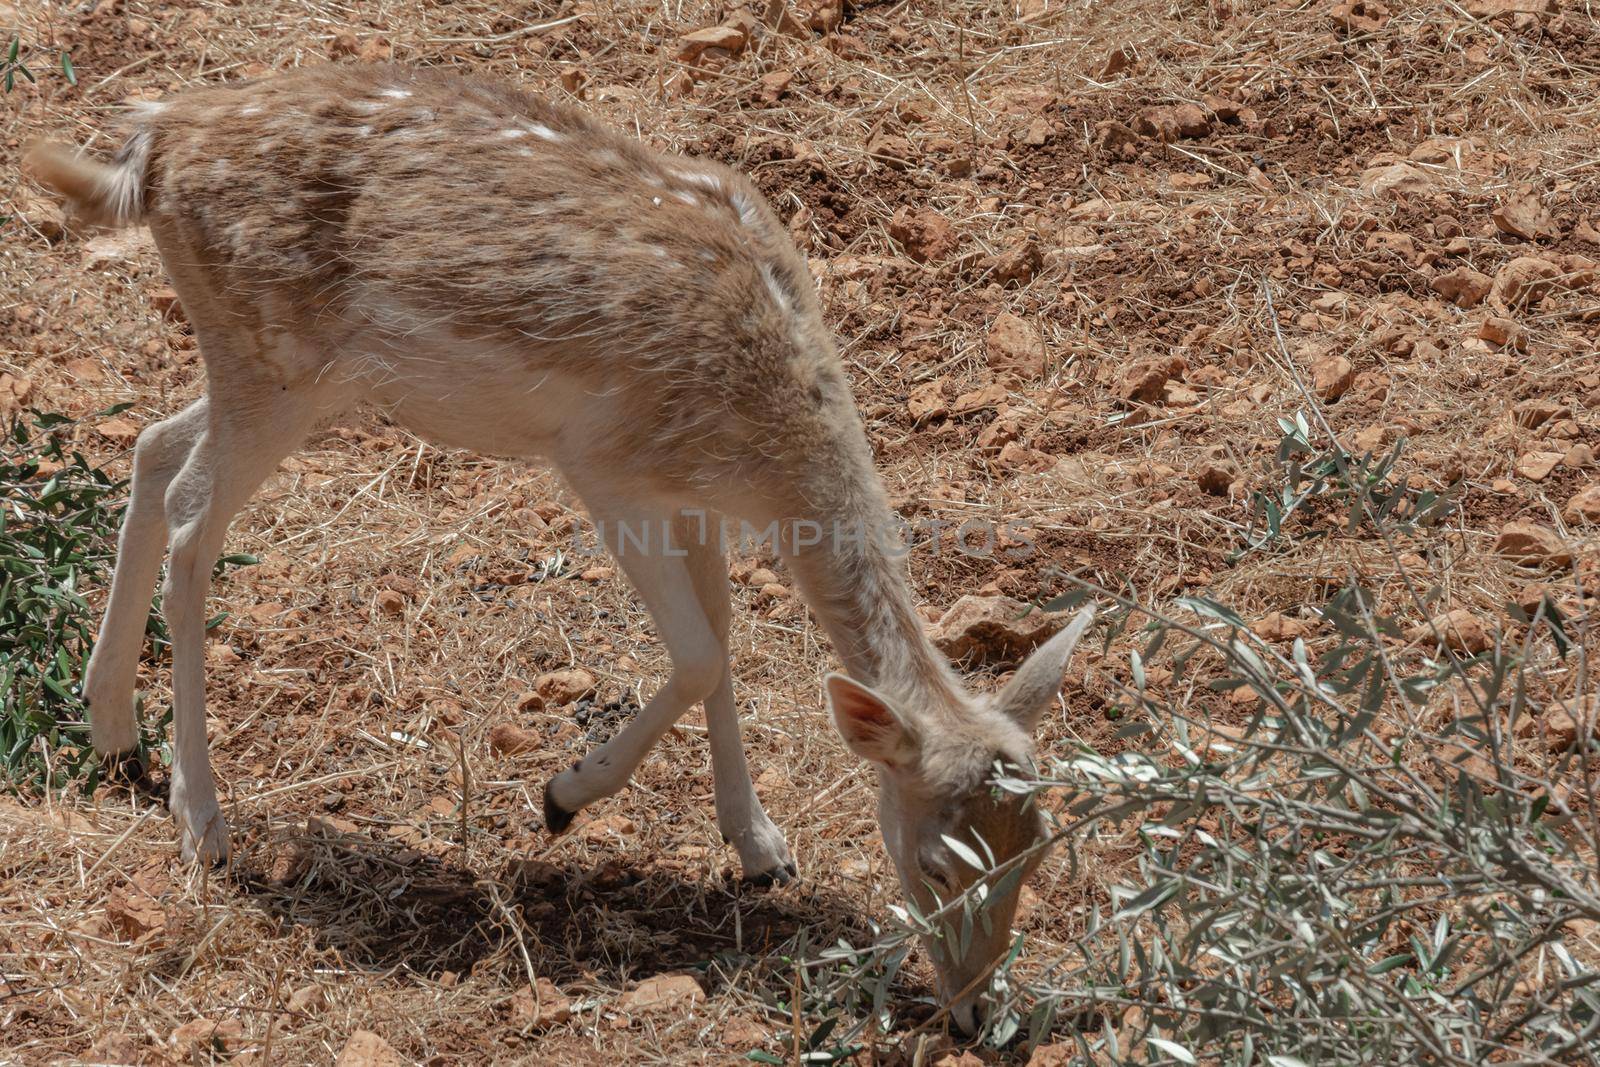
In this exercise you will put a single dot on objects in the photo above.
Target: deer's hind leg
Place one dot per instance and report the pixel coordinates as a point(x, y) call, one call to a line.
point(109, 679)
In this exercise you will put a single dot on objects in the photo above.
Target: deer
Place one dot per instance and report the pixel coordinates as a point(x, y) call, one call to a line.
point(499, 273)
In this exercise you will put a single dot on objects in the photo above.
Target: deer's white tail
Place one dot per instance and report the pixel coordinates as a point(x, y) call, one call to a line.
point(105, 194)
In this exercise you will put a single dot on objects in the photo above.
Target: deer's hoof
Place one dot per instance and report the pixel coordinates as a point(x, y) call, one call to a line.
point(781, 875)
point(556, 818)
point(126, 767)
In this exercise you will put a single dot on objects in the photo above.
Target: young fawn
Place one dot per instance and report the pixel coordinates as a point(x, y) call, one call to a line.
point(501, 274)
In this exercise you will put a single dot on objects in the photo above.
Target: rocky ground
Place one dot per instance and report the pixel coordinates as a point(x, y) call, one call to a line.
point(1082, 260)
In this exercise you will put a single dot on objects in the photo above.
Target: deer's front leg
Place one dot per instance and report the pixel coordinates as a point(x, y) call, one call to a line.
point(699, 662)
point(763, 853)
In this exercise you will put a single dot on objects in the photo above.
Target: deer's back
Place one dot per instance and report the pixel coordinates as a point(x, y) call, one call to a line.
point(386, 212)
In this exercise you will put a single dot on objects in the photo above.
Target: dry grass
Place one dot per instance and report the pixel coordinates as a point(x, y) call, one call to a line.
point(389, 859)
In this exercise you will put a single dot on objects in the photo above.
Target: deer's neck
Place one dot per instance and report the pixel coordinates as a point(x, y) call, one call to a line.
point(847, 556)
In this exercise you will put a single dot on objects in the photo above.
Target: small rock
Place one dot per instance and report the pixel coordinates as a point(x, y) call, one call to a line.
point(540, 1006)
point(1013, 342)
point(366, 1049)
point(774, 84)
point(1531, 545)
point(1143, 379)
point(1279, 627)
point(1216, 475)
point(1506, 333)
point(118, 431)
point(1534, 412)
point(390, 602)
point(1524, 282)
point(1060, 1054)
point(1579, 457)
point(615, 824)
point(1524, 217)
point(730, 40)
point(1463, 287)
point(508, 740)
point(1117, 61)
point(740, 1033)
point(1393, 180)
point(206, 1036)
point(1173, 123)
point(1584, 508)
point(927, 402)
point(1017, 266)
point(307, 998)
point(47, 217)
point(678, 993)
point(1564, 722)
point(993, 630)
point(134, 913)
point(563, 687)
point(1460, 630)
point(926, 235)
point(165, 301)
point(1536, 466)
point(597, 574)
point(760, 577)
point(1332, 377)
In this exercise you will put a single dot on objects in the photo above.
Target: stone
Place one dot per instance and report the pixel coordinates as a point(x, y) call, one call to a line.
point(207, 1036)
point(540, 1006)
point(117, 430)
point(993, 630)
point(506, 739)
point(677, 993)
point(1524, 217)
point(1564, 722)
point(1504, 332)
point(390, 602)
point(133, 912)
point(730, 40)
point(1463, 287)
point(1173, 123)
point(927, 403)
point(926, 235)
point(1279, 627)
point(563, 687)
point(1534, 412)
point(1536, 466)
point(366, 1049)
point(1216, 475)
point(1524, 282)
point(1531, 545)
point(1144, 379)
point(1014, 343)
point(307, 998)
point(1332, 377)
point(1396, 179)
point(1584, 507)
point(1460, 630)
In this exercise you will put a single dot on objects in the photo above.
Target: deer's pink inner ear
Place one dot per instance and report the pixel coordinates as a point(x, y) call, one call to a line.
point(869, 726)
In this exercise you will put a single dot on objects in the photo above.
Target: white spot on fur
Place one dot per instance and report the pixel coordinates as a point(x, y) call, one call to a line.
point(746, 207)
point(774, 288)
point(363, 131)
point(509, 134)
point(687, 198)
point(656, 200)
point(148, 108)
point(398, 94)
point(539, 129)
point(251, 110)
point(525, 152)
point(368, 107)
point(709, 182)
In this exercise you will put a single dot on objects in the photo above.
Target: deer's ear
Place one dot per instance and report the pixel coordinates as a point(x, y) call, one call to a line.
point(1038, 680)
point(868, 724)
